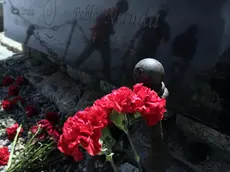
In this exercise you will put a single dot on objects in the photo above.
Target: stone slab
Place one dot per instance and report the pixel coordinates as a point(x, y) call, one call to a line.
point(204, 133)
point(62, 31)
point(11, 44)
point(64, 94)
point(4, 53)
point(63, 28)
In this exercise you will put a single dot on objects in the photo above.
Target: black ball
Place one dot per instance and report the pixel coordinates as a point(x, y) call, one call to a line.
point(148, 71)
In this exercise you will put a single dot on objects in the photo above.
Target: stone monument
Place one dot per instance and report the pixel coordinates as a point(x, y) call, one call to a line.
point(88, 36)
point(68, 32)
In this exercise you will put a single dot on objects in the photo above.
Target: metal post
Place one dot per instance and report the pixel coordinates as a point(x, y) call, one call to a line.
point(150, 72)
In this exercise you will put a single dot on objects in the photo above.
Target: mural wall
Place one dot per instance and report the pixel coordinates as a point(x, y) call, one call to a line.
point(107, 38)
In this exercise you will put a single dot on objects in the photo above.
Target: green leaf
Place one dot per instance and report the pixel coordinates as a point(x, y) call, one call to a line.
point(34, 156)
point(137, 115)
point(109, 157)
point(120, 120)
point(134, 118)
point(107, 140)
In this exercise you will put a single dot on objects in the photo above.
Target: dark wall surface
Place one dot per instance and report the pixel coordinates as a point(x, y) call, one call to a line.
point(188, 41)
point(1, 16)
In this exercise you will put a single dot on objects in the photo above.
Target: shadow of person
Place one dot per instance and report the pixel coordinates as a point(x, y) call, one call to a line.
point(100, 37)
point(29, 33)
point(210, 35)
point(147, 39)
point(184, 47)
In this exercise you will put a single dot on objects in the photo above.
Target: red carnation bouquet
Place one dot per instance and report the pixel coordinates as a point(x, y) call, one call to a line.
point(89, 129)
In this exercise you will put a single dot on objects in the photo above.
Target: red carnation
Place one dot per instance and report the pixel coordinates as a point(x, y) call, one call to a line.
point(69, 141)
point(153, 107)
point(7, 80)
point(96, 115)
point(4, 156)
point(52, 117)
point(83, 129)
point(42, 135)
point(18, 99)
point(30, 111)
point(12, 131)
point(13, 90)
point(20, 81)
point(47, 129)
point(8, 105)
point(120, 100)
point(105, 103)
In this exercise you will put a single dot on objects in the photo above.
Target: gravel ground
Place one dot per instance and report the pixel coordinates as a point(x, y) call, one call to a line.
point(4, 53)
point(7, 119)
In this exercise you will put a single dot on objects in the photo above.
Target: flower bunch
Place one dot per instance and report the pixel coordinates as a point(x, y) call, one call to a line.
point(7, 80)
point(85, 128)
point(47, 124)
point(45, 135)
point(13, 90)
point(45, 128)
point(12, 131)
point(5, 154)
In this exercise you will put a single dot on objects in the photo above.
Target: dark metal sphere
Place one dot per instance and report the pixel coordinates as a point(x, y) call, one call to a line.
point(148, 71)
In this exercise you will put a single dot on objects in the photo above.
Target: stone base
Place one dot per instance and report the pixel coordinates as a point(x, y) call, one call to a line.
point(204, 133)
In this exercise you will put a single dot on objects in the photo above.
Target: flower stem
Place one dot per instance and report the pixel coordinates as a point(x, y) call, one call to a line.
point(137, 157)
point(113, 165)
point(13, 147)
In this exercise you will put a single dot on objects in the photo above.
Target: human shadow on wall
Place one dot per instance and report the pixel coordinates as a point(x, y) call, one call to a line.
point(29, 33)
point(100, 37)
point(209, 36)
point(146, 40)
point(184, 47)
point(150, 34)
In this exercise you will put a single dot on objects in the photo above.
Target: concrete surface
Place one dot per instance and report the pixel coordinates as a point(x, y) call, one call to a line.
point(5, 53)
point(12, 45)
